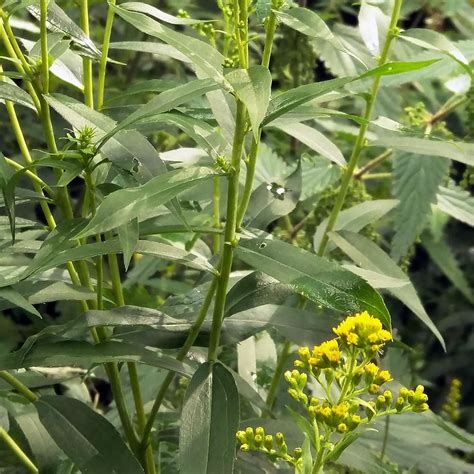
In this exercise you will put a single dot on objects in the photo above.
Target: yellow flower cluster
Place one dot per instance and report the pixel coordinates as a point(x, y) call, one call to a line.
point(326, 355)
point(374, 377)
point(363, 331)
point(342, 416)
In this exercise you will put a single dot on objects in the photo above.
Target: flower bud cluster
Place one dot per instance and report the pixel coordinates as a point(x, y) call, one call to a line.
point(273, 446)
point(450, 409)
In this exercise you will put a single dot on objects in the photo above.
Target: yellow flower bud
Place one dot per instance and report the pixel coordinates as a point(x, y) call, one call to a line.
point(268, 442)
point(242, 438)
point(374, 389)
point(260, 431)
point(342, 427)
point(404, 392)
point(258, 441)
point(400, 404)
point(245, 448)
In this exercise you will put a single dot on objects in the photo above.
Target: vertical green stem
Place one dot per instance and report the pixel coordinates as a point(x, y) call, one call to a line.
point(190, 339)
point(87, 62)
point(17, 385)
point(285, 352)
point(252, 158)
point(105, 53)
point(216, 244)
point(360, 142)
point(229, 231)
point(385, 437)
point(17, 451)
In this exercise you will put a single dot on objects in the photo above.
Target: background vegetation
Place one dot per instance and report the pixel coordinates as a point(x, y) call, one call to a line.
point(405, 225)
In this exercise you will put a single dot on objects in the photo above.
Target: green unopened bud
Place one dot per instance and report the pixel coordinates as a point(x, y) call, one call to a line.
point(268, 442)
point(294, 393)
point(380, 402)
point(245, 448)
point(374, 388)
point(302, 379)
point(297, 453)
point(288, 376)
point(411, 396)
point(303, 398)
point(249, 434)
point(388, 397)
point(279, 438)
point(421, 408)
point(400, 404)
point(258, 440)
point(260, 432)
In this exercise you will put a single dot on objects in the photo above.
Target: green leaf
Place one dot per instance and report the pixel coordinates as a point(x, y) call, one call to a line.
point(8, 193)
point(158, 14)
point(15, 94)
point(86, 437)
point(397, 67)
point(166, 101)
point(263, 9)
point(58, 21)
point(128, 236)
point(315, 140)
point(306, 22)
point(15, 298)
point(457, 151)
point(273, 200)
point(444, 258)
point(124, 149)
point(416, 180)
point(83, 354)
point(145, 247)
point(356, 218)
point(370, 256)
point(373, 27)
point(317, 174)
point(253, 87)
point(316, 278)
point(289, 100)
point(207, 59)
point(456, 202)
point(209, 421)
point(141, 202)
point(159, 49)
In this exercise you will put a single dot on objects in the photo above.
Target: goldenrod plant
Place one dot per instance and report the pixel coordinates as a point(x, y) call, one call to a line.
point(189, 190)
point(354, 395)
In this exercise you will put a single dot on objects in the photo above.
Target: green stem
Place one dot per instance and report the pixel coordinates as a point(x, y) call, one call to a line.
point(189, 342)
point(87, 62)
point(272, 391)
point(252, 158)
point(105, 53)
point(216, 215)
point(385, 437)
point(229, 231)
point(17, 451)
point(360, 142)
point(30, 174)
point(18, 386)
point(373, 163)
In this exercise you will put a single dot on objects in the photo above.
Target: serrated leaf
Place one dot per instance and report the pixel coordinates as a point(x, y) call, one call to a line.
point(207, 59)
point(444, 258)
point(140, 202)
point(416, 180)
point(86, 437)
point(370, 256)
point(253, 88)
point(356, 217)
point(263, 9)
point(209, 421)
point(316, 278)
point(456, 202)
point(315, 140)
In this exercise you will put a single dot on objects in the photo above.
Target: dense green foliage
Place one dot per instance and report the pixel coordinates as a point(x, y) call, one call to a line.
point(190, 192)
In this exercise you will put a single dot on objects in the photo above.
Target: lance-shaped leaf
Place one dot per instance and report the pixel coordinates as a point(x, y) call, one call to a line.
point(307, 22)
point(58, 21)
point(140, 202)
point(15, 94)
point(370, 256)
point(158, 14)
point(456, 202)
point(166, 101)
point(289, 100)
point(209, 421)
point(252, 87)
point(16, 299)
point(315, 140)
point(85, 436)
point(316, 278)
point(206, 59)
